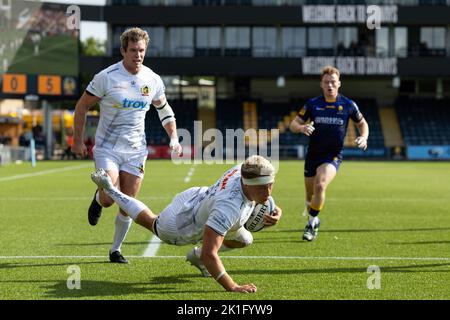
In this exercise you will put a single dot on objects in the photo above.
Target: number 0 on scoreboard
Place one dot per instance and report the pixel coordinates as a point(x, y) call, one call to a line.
point(14, 83)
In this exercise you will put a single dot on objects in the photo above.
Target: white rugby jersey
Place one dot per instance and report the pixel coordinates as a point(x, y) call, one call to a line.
point(223, 207)
point(125, 99)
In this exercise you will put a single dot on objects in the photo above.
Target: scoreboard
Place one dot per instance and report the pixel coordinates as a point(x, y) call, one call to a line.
point(45, 85)
point(39, 52)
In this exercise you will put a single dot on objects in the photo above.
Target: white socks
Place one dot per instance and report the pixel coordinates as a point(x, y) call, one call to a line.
point(123, 224)
point(128, 204)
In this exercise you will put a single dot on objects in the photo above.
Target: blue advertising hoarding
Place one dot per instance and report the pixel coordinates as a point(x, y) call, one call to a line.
point(428, 152)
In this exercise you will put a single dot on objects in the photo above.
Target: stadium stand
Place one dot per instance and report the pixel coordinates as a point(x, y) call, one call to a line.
point(369, 109)
point(229, 114)
point(424, 121)
point(185, 113)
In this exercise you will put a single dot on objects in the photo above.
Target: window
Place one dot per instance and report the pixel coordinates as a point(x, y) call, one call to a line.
point(347, 35)
point(208, 37)
point(264, 42)
point(347, 41)
point(293, 42)
point(207, 41)
point(401, 41)
point(433, 37)
point(237, 37)
point(320, 41)
point(237, 41)
point(382, 42)
point(181, 41)
point(156, 45)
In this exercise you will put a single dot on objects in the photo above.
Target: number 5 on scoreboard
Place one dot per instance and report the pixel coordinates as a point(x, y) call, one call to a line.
point(49, 85)
point(14, 83)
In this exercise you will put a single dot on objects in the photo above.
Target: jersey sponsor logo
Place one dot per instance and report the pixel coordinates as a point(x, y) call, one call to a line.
point(329, 120)
point(145, 90)
point(131, 104)
point(330, 107)
point(320, 109)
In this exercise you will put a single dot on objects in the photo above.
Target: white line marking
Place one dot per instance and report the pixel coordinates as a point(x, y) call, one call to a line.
point(152, 247)
point(393, 200)
point(189, 174)
point(40, 173)
point(67, 198)
point(239, 257)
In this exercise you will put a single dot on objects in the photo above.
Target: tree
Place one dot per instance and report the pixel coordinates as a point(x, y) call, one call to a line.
point(93, 47)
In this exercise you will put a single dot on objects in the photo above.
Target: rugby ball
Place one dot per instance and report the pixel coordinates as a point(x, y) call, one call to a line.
point(256, 222)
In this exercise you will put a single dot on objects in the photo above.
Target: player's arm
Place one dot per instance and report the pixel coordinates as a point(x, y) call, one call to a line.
point(363, 129)
point(212, 241)
point(82, 107)
point(167, 118)
point(274, 218)
point(298, 125)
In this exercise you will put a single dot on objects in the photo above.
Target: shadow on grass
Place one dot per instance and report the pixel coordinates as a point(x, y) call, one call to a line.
point(90, 289)
point(29, 265)
point(420, 242)
point(393, 269)
point(86, 244)
point(300, 229)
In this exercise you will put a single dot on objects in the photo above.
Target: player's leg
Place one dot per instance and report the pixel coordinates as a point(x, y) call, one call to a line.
point(240, 238)
point(134, 208)
point(325, 173)
point(309, 174)
point(130, 177)
point(101, 200)
point(109, 162)
point(309, 191)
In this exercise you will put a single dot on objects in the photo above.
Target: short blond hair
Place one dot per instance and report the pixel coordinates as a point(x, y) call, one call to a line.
point(134, 35)
point(329, 70)
point(257, 166)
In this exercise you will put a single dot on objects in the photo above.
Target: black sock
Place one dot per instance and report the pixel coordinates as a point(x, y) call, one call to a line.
point(313, 212)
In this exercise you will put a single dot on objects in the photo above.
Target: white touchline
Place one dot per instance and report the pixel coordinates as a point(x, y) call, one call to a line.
point(40, 173)
point(152, 247)
point(155, 242)
point(238, 257)
point(65, 198)
point(189, 174)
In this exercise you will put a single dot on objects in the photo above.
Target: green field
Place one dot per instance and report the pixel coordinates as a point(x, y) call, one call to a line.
point(57, 55)
point(394, 215)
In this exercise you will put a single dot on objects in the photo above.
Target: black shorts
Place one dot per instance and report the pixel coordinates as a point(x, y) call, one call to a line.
point(312, 163)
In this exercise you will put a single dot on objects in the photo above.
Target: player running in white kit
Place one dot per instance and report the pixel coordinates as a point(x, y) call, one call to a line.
point(125, 92)
point(214, 216)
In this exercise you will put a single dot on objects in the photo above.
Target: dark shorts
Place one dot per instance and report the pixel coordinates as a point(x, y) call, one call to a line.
point(312, 163)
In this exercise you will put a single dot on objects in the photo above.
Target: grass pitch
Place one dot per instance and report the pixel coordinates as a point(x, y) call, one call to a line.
point(392, 215)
